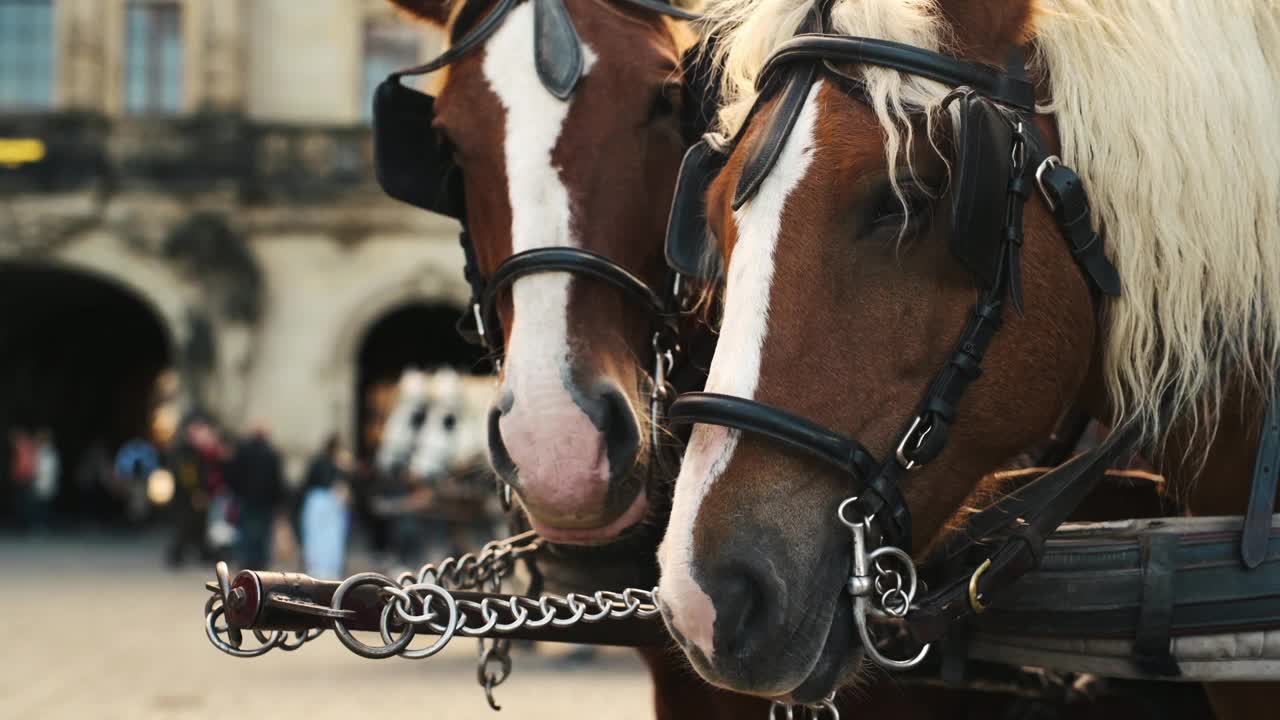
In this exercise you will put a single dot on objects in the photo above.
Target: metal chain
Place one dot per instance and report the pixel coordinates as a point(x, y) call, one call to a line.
point(425, 598)
point(816, 711)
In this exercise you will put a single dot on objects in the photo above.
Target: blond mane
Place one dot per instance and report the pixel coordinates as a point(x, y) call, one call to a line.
point(1169, 111)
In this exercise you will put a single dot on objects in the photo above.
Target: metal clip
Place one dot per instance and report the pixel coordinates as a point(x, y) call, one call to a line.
point(864, 587)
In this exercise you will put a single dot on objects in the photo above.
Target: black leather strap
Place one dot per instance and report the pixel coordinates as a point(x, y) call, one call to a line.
point(493, 20)
point(1070, 205)
point(764, 155)
point(562, 259)
point(1005, 88)
point(1262, 494)
point(466, 326)
point(469, 42)
point(779, 425)
point(1028, 517)
point(1155, 616)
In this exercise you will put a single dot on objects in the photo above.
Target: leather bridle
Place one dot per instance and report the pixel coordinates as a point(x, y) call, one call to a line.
point(924, 437)
point(558, 57)
point(877, 511)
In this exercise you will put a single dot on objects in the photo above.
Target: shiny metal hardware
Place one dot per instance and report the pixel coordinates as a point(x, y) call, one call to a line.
point(664, 360)
point(901, 452)
point(876, 586)
point(1049, 163)
point(425, 599)
point(975, 597)
point(817, 711)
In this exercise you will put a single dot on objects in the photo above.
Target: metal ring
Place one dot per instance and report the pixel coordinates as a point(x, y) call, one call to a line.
point(354, 645)
point(446, 632)
point(913, 581)
point(787, 708)
point(300, 638)
point(975, 597)
point(210, 620)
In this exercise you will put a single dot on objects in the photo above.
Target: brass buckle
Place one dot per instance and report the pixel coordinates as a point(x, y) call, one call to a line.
point(975, 598)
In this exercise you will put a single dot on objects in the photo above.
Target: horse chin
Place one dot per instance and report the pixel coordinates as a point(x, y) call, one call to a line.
point(837, 662)
point(634, 515)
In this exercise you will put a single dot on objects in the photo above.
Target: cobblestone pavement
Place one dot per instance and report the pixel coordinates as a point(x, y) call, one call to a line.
point(96, 629)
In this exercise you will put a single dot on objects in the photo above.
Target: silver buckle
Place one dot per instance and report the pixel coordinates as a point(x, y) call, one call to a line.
point(900, 453)
point(1049, 163)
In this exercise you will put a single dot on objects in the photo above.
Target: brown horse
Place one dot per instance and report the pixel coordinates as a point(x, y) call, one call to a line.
point(844, 299)
point(594, 170)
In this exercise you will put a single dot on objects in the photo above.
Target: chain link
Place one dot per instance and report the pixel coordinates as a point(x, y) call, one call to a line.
point(425, 599)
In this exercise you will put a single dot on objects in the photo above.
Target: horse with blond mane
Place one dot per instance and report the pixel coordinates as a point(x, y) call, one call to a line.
point(858, 144)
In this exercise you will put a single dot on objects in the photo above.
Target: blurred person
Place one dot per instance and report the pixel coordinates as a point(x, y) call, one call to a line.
point(135, 462)
point(256, 477)
point(22, 473)
point(95, 485)
point(325, 515)
point(193, 463)
point(44, 486)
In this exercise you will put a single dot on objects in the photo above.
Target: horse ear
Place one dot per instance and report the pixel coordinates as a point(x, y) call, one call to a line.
point(435, 12)
point(412, 382)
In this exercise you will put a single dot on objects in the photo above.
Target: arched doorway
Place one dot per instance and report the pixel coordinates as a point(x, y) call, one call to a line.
point(415, 334)
point(80, 357)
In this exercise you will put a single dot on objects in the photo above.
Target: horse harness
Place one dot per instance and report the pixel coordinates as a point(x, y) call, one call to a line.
point(416, 165)
point(998, 153)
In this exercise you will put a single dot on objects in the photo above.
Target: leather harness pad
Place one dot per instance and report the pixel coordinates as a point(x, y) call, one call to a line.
point(557, 49)
point(689, 250)
point(979, 187)
point(411, 161)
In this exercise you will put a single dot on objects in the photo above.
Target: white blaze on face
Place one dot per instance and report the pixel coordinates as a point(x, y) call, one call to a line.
point(735, 370)
point(540, 208)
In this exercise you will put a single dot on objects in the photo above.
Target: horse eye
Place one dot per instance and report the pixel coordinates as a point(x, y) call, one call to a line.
point(909, 212)
point(663, 104)
point(449, 421)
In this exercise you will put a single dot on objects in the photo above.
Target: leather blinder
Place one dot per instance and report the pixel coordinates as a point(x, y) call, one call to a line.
point(410, 160)
point(980, 187)
point(689, 249)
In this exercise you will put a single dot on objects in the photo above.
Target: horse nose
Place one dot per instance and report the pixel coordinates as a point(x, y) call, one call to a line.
point(748, 599)
point(568, 452)
point(612, 416)
point(727, 608)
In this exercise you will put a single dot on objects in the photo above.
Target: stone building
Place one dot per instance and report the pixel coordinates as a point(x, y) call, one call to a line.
point(185, 188)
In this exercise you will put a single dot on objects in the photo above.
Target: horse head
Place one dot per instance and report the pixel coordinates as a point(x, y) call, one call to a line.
point(562, 119)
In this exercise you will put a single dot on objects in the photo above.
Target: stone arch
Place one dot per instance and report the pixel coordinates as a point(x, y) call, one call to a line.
point(85, 357)
point(105, 255)
point(431, 284)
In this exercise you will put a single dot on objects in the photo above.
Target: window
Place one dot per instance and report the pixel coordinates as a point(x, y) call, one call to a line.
point(153, 57)
point(388, 46)
point(26, 54)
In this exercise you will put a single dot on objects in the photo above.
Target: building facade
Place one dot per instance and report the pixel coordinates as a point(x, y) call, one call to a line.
point(211, 159)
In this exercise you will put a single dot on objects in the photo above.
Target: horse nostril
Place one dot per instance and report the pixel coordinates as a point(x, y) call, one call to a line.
point(499, 457)
point(741, 604)
point(617, 423)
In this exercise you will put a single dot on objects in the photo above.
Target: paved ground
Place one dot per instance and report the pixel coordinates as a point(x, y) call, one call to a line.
point(96, 630)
